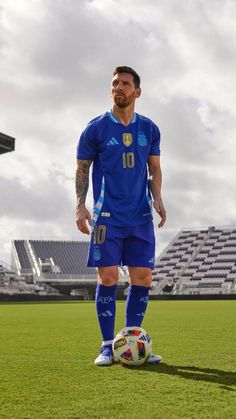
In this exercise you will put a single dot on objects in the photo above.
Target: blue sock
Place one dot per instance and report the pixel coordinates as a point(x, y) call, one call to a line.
point(136, 304)
point(106, 310)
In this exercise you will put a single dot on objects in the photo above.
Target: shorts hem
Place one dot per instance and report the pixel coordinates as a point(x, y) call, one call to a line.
point(104, 265)
point(101, 265)
point(143, 265)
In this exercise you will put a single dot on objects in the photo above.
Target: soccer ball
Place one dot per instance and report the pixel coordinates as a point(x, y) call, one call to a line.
point(132, 346)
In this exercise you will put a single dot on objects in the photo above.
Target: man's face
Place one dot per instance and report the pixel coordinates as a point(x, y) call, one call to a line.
point(123, 90)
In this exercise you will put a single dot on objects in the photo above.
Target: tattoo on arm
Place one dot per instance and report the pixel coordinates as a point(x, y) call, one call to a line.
point(82, 180)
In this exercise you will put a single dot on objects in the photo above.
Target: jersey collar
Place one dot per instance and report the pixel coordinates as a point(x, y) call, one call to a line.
point(114, 119)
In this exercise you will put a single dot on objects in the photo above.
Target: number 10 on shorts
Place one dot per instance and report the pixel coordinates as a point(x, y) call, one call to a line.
point(99, 234)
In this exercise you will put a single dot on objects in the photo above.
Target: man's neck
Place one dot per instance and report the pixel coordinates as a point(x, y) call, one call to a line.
point(124, 115)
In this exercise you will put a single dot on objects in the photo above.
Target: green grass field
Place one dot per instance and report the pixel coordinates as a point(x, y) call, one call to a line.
point(47, 352)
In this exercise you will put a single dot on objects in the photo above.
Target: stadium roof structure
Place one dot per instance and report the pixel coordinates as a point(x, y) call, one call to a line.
point(7, 143)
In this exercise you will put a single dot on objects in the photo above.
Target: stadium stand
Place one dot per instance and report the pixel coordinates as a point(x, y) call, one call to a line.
point(13, 284)
point(198, 262)
point(70, 256)
point(7, 143)
point(60, 264)
point(23, 258)
point(59, 258)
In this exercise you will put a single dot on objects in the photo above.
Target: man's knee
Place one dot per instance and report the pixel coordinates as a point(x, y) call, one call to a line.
point(145, 281)
point(108, 276)
point(140, 276)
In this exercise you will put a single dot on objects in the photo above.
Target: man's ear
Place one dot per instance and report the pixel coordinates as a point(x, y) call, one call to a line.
point(138, 92)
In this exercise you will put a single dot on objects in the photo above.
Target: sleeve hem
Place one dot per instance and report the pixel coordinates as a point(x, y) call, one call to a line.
point(85, 157)
point(155, 154)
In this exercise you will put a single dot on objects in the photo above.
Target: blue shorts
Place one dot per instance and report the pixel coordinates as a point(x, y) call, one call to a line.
point(129, 246)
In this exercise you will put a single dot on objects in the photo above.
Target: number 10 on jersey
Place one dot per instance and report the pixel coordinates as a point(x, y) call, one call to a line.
point(128, 160)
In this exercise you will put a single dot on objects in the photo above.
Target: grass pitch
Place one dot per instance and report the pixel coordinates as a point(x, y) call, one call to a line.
point(47, 352)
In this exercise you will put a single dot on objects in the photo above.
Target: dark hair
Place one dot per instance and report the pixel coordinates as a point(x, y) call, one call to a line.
point(129, 70)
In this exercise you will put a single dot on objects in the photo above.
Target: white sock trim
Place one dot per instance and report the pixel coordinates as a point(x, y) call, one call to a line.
point(107, 342)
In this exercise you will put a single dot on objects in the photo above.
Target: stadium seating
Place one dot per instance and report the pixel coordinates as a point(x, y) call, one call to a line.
point(195, 262)
point(21, 251)
point(69, 257)
point(198, 262)
point(11, 284)
point(59, 264)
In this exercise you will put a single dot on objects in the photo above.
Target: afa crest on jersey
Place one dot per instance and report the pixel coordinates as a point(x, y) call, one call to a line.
point(142, 139)
point(127, 139)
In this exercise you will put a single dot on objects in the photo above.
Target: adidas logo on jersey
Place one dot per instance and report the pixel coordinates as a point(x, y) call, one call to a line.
point(113, 141)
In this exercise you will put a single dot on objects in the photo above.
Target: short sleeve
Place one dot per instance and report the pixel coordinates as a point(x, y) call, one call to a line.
point(155, 141)
point(87, 147)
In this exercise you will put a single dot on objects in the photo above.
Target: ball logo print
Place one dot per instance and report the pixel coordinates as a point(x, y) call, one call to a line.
point(132, 346)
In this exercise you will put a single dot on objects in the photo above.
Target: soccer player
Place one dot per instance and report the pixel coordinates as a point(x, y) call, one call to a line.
point(124, 148)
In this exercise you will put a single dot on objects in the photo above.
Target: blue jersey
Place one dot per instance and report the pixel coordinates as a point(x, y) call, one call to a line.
point(120, 153)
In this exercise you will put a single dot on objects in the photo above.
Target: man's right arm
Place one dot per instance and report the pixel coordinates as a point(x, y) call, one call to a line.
point(155, 180)
point(82, 184)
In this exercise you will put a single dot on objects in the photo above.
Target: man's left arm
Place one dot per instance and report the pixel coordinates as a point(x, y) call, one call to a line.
point(155, 181)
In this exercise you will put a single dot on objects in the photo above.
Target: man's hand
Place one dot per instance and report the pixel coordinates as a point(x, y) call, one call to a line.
point(82, 216)
point(159, 207)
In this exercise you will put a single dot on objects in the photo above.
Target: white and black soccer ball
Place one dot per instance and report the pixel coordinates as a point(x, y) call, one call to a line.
point(132, 346)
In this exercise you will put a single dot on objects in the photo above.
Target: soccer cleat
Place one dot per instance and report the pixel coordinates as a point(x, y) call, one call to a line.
point(105, 357)
point(154, 359)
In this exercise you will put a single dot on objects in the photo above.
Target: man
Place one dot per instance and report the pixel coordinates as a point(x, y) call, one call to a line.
point(124, 149)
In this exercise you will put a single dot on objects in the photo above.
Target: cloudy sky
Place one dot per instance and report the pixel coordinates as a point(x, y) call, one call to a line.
point(56, 61)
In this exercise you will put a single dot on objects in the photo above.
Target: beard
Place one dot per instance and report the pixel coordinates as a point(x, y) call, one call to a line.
point(121, 101)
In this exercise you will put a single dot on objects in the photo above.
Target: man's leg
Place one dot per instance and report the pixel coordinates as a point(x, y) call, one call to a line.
point(105, 253)
point(137, 298)
point(106, 301)
point(138, 255)
point(106, 309)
